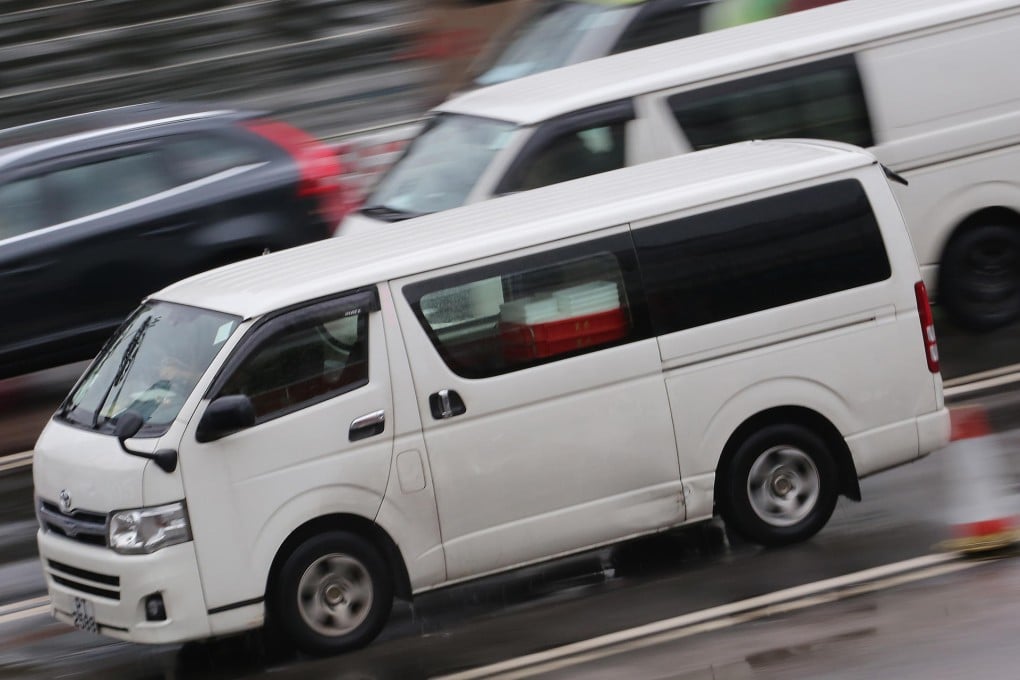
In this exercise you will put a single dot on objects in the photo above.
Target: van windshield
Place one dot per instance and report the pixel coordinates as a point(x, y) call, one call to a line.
point(150, 366)
point(440, 168)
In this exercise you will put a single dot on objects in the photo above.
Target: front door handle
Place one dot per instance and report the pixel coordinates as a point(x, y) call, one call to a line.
point(367, 425)
point(446, 404)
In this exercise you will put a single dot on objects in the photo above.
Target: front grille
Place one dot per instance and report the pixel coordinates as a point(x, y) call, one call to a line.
point(84, 581)
point(80, 525)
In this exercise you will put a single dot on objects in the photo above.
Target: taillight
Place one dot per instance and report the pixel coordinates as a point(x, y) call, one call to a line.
point(931, 348)
point(319, 168)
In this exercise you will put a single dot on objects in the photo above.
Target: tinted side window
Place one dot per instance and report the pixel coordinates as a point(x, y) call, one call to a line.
point(534, 309)
point(22, 208)
point(302, 360)
point(571, 155)
point(88, 189)
point(760, 255)
point(659, 27)
point(202, 155)
point(823, 100)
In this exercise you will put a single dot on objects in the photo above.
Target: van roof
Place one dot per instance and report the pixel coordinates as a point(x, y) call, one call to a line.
point(263, 284)
point(832, 28)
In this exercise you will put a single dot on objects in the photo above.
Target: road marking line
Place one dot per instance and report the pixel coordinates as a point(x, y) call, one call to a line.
point(790, 599)
point(975, 384)
point(24, 609)
point(16, 460)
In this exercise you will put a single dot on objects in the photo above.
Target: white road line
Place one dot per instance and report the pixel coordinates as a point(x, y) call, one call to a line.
point(15, 461)
point(37, 606)
point(790, 599)
point(974, 384)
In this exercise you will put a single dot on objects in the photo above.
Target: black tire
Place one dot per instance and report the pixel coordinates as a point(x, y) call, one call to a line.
point(333, 594)
point(780, 486)
point(979, 283)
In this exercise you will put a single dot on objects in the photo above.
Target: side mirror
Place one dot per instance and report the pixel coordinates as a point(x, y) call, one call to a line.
point(128, 425)
point(225, 416)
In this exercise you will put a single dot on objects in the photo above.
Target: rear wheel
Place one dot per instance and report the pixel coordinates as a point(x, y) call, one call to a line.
point(980, 277)
point(334, 594)
point(780, 486)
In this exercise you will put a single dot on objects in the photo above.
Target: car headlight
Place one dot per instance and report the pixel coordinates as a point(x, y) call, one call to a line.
point(146, 530)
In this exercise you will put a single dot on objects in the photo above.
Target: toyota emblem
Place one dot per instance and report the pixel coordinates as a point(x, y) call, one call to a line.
point(65, 501)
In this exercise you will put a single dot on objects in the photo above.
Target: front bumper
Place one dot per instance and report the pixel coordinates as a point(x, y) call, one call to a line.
point(117, 586)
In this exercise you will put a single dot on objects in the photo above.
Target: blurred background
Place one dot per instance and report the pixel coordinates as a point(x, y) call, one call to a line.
point(352, 80)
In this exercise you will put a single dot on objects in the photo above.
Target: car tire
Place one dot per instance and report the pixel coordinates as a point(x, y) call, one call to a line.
point(334, 594)
point(780, 486)
point(980, 277)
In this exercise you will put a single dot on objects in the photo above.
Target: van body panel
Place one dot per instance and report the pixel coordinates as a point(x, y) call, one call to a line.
point(985, 86)
point(172, 571)
point(408, 512)
point(250, 490)
point(494, 511)
point(91, 467)
point(883, 447)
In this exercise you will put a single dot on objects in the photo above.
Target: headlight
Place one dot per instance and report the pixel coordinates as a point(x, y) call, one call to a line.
point(146, 530)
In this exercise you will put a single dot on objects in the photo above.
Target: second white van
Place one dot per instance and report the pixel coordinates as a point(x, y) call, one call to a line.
point(301, 437)
point(930, 86)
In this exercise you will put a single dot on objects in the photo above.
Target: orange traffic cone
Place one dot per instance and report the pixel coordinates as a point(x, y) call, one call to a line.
point(982, 505)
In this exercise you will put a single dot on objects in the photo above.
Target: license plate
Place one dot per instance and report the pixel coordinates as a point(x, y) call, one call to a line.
point(84, 616)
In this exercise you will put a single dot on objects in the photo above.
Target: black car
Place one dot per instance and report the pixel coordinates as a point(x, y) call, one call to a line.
point(98, 210)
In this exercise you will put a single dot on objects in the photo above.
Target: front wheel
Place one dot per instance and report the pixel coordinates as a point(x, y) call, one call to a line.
point(780, 487)
point(334, 594)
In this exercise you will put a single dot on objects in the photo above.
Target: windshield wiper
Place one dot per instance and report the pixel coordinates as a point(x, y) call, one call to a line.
point(125, 363)
point(388, 214)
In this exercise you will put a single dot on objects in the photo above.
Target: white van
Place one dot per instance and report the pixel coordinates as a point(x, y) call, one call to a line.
point(311, 433)
point(931, 86)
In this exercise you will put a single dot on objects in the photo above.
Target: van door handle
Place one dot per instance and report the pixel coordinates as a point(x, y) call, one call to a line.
point(367, 425)
point(446, 404)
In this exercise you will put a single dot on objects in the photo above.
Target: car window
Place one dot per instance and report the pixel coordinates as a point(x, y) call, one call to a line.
point(88, 189)
point(760, 255)
point(659, 27)
point(441, 166)
point(21, 207)
point(823, 100)
point(302, 361)
point(194, 157)
point(529, 310)
point(569, 156)
point(548, 39)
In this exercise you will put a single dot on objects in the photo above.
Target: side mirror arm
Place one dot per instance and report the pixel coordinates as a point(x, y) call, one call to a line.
point(166, 459)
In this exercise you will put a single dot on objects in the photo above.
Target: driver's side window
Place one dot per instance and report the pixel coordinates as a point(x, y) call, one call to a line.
point(303, 359)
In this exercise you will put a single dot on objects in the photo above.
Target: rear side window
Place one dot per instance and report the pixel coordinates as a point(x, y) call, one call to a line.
point(759, 255)
point(534, 309)
point(88, 189)
point(22, 208)
point(823, 100)
point(194, 157)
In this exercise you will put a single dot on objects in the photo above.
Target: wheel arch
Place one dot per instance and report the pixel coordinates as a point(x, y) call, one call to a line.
point(354, 524)
point(849, 484)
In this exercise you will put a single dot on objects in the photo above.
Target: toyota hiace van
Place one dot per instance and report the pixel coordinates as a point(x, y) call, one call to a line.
point(306, 435)
point(929, 85)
